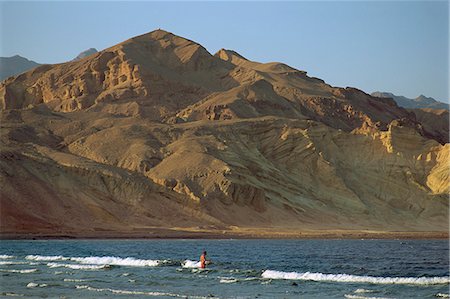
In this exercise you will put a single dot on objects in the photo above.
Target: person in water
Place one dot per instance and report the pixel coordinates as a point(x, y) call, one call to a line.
point(203, 260)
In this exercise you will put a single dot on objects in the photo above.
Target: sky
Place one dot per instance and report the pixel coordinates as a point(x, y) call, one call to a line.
point(396, 46)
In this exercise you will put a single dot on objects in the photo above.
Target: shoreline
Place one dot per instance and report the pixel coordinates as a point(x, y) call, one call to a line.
point(171, 234)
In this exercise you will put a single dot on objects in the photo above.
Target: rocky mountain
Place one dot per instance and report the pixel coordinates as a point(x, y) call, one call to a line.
point(15, 65)
point(155, 133)
point(417, 103)
point(435, 122)
point(11, 66)
point(86, 53)
point(431, 114)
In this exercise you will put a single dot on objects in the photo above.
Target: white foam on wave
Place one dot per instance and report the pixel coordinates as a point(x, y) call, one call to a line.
point(190, 264)
point(78, 267)
point(362, 291)
point(249, 278)
point(442, 295)
point(363, 297)
point(116, 261)
point(75, 280)
point(11, 294)
point(13, 263)
point(46, 258)
point(5, 256)
point(24, 271)
point(34, 285)
point(354, 278)
point(228, 280)
point(126, 292)
point(99, 260)
point(359, 291)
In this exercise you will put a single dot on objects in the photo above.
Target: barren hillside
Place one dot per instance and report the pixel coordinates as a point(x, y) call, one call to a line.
point(157, 133)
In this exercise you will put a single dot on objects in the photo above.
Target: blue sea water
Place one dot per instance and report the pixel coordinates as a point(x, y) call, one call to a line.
point(239, 269)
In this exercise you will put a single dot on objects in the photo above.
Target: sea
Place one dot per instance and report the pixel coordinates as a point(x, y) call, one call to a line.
point(163, 268)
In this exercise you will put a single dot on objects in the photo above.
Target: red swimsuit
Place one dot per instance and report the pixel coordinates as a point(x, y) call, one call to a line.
point(202, 261)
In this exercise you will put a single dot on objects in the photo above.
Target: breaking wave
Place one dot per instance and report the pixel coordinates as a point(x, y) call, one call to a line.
point(99, 260)
point(126, 292)
point(224, 279)
point(78, 267)
point(116, 261)
point(13, 263)
point(5, 256)
point(46, 258)
point(24, 271)
point(35, 285)
point(12, 294)
point(190, 264)
point(359, 291)
point(363, 297)
point(354, 278)
point(75, 280)
point(228, 280)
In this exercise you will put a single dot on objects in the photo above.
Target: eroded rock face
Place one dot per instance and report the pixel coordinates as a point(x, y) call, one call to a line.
point(435, 123)
point(157, 132)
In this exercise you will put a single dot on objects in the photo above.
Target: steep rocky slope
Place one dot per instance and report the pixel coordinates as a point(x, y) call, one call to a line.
point(156, 132)
point(435, 123)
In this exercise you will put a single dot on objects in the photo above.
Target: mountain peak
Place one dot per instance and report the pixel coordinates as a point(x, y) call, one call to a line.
point(156, 126)
point(161, 36)
point(85, 53)
point(165, 46)
point(155, 34)
point(424, 98)
point(16, 57)
point(14, 65)
point(421, 101)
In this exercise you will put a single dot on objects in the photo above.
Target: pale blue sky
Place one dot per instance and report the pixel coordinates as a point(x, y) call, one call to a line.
point(396, 46)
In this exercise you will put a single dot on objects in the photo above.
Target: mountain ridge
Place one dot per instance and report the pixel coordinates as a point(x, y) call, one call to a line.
point(11, 66)
point(158, 133)
point(417, 103)
point(15, 65)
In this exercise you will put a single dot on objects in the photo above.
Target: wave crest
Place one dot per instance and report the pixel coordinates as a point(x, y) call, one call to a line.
point(46, 258)
point(190, 264)
point(99, 260)
point(228, 280)
point(24, 271)
point(363, 297)
point(126, 292)
point(34, 285)
point(14, 263)
point(78, 267)
point(5, 256)
point(116, 261)
point(271, 274)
